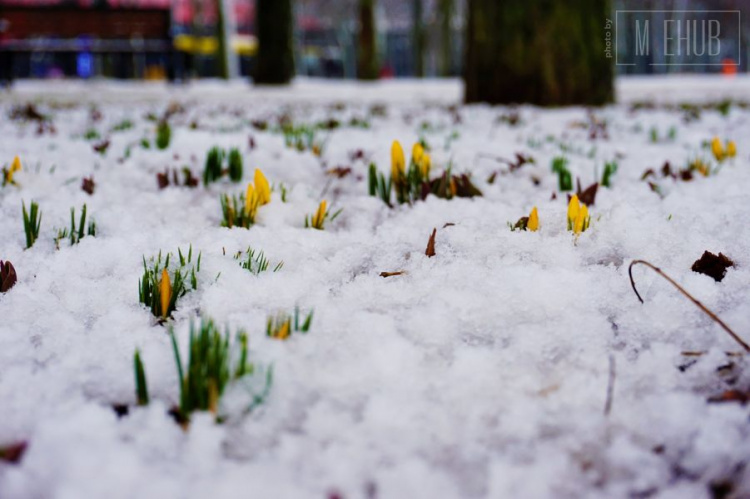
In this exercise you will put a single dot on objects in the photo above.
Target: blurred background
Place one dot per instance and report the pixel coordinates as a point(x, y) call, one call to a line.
point(182, 39)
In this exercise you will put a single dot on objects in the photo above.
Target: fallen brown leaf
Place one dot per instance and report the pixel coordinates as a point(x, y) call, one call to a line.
point(392, 274)
point(714, 266)
point(430, 251)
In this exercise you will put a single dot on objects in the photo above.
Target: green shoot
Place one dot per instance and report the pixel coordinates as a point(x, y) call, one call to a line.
point(235, 165)
point(378, 185)
point(564, 177)
point(220, 163)
point(212, 171)
point(76, 234)
point(610, 168)
point(255, 262)
point(141, 385)
point(32, 221)
point(163, 135)
point(283, 192)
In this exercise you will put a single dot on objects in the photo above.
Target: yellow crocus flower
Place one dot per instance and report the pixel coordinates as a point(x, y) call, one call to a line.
point(319, 217)
point(165, 290)
point(574, 206)
point(251, 201)
point(425, 166)
point(417, 152)
point(398, 163)
point(15, 166)
point(731, 149)
point(533, 223)
point(717, 149)
point(262, 187)
point(582, 220)
point(284, 331)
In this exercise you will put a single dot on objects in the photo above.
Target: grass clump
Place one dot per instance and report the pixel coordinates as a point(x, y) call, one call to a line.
point(302, 138)
point(75, 234)
point(610, 168)
point(213, 364)
point(255, 262)
point(283, 325)
point(160, 288)
point(220, 163)
point(564, 177)
point(163, 135)
point(32, 222)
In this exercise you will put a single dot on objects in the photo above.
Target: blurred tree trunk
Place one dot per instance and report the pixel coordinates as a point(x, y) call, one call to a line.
point(221, 36)
point(538, 51)
point(446, 10)
point(367, 55)
point(418, 38)
point(275, 59)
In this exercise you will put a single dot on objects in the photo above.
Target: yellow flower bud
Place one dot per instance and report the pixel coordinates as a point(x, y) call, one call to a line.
point(533, 223)
point(165, 290)
point(574, 206)
point(582, 220)
point(425, 166)
point(14, 167)
point(284, 331)
point(731, 149)
point(717, 149)
point(262, 187)
point(398, 166)
point(251, 200)
point(319, 216)
point(417, 152)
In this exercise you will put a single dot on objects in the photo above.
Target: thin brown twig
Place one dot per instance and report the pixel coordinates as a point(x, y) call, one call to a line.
point(689, 296)
point(392, 274)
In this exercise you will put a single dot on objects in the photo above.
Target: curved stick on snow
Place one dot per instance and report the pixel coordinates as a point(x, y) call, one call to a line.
point(689, 296)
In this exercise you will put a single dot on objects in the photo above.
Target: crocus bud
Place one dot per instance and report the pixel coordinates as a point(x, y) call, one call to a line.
point(533, 222)
point(165, 290)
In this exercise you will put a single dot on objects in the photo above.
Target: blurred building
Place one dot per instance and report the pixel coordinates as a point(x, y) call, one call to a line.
point(151, 39)
point(177, 39)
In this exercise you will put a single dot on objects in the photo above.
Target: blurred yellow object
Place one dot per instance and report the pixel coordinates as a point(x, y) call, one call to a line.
point(398, 163)
point(717, 149)
point(154, 73)
point(243, 45)
point(731, 149)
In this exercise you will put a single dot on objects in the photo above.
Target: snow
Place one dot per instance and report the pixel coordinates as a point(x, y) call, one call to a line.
point(480, 372)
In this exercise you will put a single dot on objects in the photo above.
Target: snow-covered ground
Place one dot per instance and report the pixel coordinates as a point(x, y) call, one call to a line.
point(480, 372)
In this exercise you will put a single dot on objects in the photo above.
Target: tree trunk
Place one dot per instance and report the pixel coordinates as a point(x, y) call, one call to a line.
point(418, 38)
point(221, 36)
point(275, 60)
point(446, 11)
point(367, 55)
point(538, 51)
